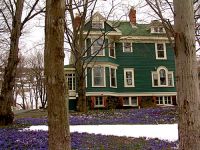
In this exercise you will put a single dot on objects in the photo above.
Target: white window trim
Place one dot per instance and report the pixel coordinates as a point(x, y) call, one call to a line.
point(85, 55)
point(129, 98)
point(163, 100)
point(153, 31)
point(73, 81)
point(99, 106)
point(115, 77)
point(167, 72)
point(104, 70)
point(131, 47)
point(165, 53)
point(133, 81)
point(114, 51)
point(172, 73)
point(92, 47)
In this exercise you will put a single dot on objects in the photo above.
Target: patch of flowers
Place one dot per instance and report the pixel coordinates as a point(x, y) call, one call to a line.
point(162, 115)
point(15, 139)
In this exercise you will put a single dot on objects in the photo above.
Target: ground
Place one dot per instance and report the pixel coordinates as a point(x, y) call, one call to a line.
point(15, 137)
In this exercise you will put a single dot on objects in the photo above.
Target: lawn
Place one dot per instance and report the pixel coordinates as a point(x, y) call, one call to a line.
point(14, 137)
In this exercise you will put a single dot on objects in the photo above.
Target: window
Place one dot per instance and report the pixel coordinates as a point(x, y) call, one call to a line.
point(130, 101)
point(97, 48)
point(98, 74)
point(113, 81)
point(97, 25)
point(99, 101)
point(164, 100)
point(162, 78)
point(127, 47)
point(160, 51)
point(157, 30)
point(112, 50)
point(129, 77)
point(71, 81)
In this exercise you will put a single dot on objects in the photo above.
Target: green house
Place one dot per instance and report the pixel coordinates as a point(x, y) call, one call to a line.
point(133, 66)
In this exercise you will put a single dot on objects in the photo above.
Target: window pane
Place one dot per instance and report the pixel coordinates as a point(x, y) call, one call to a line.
point(160, 47)
point(113, 77)
point(128, 78)
point(98, 74)
point(99, 101)
point(170, 80)
point(133, 100)
point(161, 29)
point(98, 47)
point(127, 47)
point(161, 54)
point(155, 79)
point(126, 101)
point(162, 77)
point(112, 50)
point(71, 81)
point(97, 25)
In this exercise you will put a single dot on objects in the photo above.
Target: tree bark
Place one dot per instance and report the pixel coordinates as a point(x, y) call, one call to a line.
point(186, 76)
point(6, 97)
point(59, 135)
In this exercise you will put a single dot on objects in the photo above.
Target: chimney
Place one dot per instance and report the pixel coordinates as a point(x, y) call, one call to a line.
point(132, 16)
point(77, 21)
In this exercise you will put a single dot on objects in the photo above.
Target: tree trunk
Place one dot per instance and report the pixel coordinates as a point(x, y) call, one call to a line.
point(59, 135)
point(6, 98)
point(82, 105)
point(186, 76)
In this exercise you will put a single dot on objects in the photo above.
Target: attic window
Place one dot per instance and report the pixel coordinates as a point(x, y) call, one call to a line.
point(97, 25)
point(157, 30)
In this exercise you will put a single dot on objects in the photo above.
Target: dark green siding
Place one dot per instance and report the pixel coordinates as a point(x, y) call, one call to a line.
point(143, 60)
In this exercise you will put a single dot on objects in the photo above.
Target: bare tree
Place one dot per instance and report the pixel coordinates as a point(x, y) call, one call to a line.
point(59, 135)
point(12, 17)
point(80, 13)
point(186, 69)
point(37, 79)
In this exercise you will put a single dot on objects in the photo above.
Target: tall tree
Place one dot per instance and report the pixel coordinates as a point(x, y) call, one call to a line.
point(11, 12)
point(186, 75)
point(186, 68)
point(80, 13)
point(59, 135)
point(6, 97)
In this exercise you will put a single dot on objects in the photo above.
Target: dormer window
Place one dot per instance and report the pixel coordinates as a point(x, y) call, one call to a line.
point(97, 25)
point(157, 30)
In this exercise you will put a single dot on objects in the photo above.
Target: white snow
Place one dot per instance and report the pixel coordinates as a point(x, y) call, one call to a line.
point(162, 131)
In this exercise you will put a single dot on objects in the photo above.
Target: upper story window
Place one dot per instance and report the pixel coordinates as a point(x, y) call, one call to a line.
point(112, 50)
point(127, 47)
point(157, 30)
point(129, 77)
point(113, 79)
point(160, 49)
point(162, 78)
point(71, 80)
point(97, 48)
point(98, 76)
point(97, 25)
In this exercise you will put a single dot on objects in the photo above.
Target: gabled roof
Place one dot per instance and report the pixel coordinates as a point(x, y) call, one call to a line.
point(126, 29)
